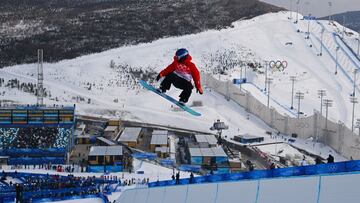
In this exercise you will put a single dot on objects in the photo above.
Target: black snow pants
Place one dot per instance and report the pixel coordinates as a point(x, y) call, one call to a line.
point(178, 82)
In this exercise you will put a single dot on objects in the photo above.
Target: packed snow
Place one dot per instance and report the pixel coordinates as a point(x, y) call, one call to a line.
point(105, 84)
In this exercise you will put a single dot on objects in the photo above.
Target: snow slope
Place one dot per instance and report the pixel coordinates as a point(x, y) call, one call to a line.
point(102, 84)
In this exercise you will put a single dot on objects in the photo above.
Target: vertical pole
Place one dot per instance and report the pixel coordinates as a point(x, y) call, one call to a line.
point(355, 72)
point(291, 9)
point(358, 46)
point(353, 115)
point(241, 70)
point(292, 78)
point(297, 11)
point(266, 74)
point(292, 94)
point(322, 37)
point(344, 29)
point(298, 114)
point(40, 100)
point(268, 100)
point(336, 59)
point(321, 103)
point(330, 4)
point(308, 28)
point(327, 110)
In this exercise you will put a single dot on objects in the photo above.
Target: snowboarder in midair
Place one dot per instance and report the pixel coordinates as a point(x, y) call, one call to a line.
point(180, 73)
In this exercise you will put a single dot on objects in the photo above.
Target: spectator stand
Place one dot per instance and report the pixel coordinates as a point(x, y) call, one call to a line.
point(37, 187)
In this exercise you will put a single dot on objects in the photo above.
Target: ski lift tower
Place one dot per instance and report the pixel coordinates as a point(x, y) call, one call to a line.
point(219, 127)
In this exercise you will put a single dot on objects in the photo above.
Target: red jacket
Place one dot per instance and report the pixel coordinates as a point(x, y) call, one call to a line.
point(185, 69)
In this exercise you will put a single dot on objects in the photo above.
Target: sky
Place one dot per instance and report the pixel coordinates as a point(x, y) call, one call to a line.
point(319, 8)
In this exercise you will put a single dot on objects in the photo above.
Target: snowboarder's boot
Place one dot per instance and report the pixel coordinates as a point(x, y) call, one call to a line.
point(182, 101)
point(161, 90)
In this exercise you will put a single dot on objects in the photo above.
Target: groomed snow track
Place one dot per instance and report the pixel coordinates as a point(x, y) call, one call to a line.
point(332, 188)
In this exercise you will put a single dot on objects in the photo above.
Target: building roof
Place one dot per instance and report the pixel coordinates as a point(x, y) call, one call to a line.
point(84, 136)
point(159, 139)
point(130, 135)
point(248, 137)
point(208, 152)
point(111, 128)
point(105, 150)
point(211, 139)
point(195, 152)
point(160, 132)
point(106, 141)
point(162, 149)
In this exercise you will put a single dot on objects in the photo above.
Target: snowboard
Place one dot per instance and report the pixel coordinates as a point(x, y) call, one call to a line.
point(167, 97)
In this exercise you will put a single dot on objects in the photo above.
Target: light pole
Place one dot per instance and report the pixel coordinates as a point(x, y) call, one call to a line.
point(266, 78)
point(297, 11)
point(268, 82)
point(299, 95)
point(322, 37)
point(358, 39)
point(336, 58)
point(321, 94)
point(293, 79)
point(354, 84)
point(327, 104)
point(330, 5)
point(354, 101)
point(344, 29)
point(308, 28)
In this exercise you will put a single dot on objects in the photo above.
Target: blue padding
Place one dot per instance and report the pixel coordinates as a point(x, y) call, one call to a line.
point(193, 168)
point(214, 178)
point(339, 167)
point(170, 182)
point(286, 172)
point(199, 179)
point(167, 162)
point(259, 174)
point(162, 183)
point(33, 151)
point(234, 176)
point(36, 161)
point(152, 184)
point(150, 156)
point(352, 165)
point(184, 181)
point(101, 169)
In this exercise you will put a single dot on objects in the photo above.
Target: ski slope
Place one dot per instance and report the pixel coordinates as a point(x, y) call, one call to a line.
point(99, 84)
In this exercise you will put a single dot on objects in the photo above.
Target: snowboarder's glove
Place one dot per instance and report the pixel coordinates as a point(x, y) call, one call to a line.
point(199, 90)
point(158, 77)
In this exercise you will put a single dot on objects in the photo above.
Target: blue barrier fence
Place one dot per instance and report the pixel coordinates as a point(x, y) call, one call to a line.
point(150, 156)
point(33, 152)
point(339, 167)
point(102, 169)
point(36, 161)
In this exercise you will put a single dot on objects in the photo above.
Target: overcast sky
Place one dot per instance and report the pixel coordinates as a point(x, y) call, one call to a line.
point(319, 8)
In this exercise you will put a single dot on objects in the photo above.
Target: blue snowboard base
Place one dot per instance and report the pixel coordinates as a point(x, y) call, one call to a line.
point(167, 97)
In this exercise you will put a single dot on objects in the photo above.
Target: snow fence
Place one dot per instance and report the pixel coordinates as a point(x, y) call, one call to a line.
point(335, 135)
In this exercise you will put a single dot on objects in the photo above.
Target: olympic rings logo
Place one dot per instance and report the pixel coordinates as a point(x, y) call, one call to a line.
point(279, 65)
